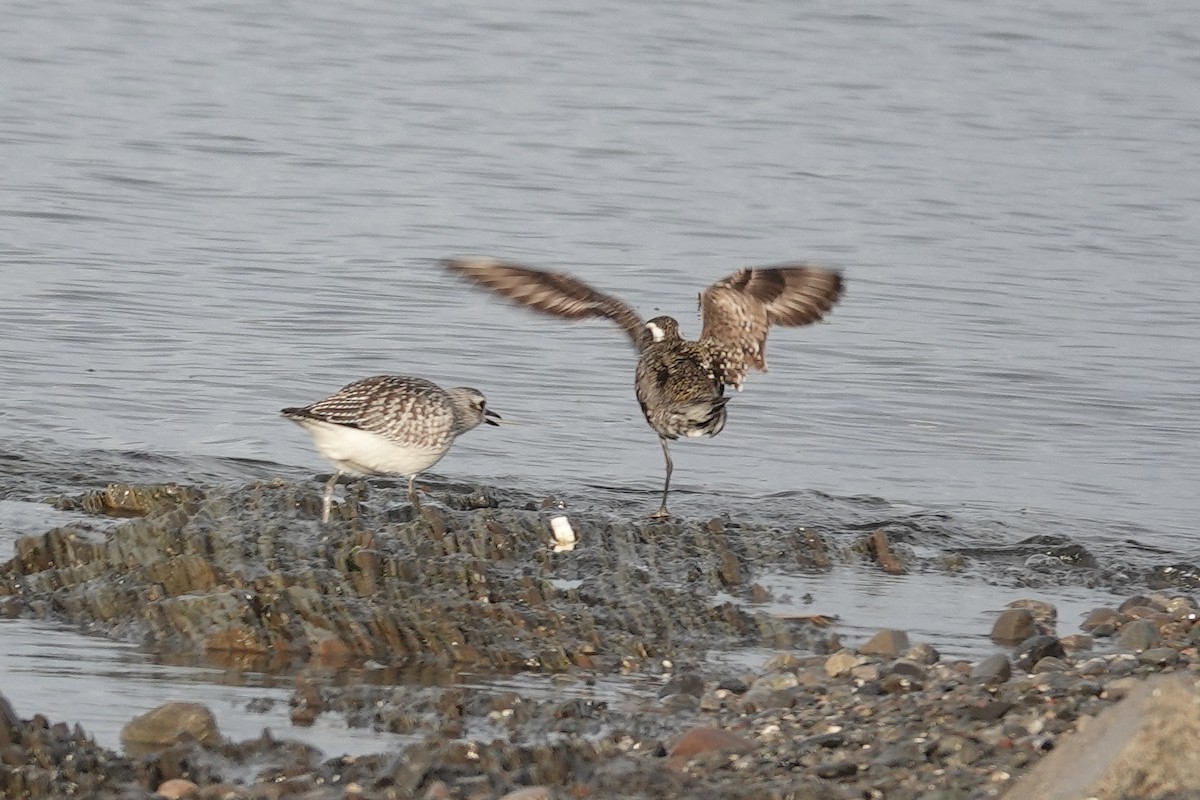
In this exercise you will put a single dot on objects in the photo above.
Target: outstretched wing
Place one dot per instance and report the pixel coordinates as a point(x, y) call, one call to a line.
point(550, 292)
point(739, 309)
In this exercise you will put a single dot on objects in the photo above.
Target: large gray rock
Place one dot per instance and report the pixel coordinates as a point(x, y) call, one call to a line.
point(1147, 747)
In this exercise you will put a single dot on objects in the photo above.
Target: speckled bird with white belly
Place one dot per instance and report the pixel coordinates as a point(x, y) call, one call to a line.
point(389, 425)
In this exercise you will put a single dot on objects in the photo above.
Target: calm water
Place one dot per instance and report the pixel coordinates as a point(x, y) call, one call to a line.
point(210, 212)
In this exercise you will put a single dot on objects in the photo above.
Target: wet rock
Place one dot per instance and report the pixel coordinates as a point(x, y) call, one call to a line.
point(1045, 614)
point(167, 724)
point(922, 653)
point(1077, 642)
point(1132, 750)
point(1101, 622)
point(776, 682)
point(1159, 656)
point(1049, 664)
point(1035, 648)
point(687, 683)
point(841, 662)
point(1137, 601)
point(530, 793)
point(178, 789)
point(1013, 626)
point(699, 741)
point(1141, 634)
point(887, 643)
point(996, 668)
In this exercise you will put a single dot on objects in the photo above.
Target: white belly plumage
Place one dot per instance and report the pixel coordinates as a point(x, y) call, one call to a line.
point(360, 452)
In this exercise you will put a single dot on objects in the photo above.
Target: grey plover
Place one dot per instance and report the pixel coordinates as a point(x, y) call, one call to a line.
point(680, 384)
point(389, 425)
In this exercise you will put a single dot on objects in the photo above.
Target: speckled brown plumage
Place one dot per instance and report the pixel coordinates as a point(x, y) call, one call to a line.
point(680, 384)
point(389, 425)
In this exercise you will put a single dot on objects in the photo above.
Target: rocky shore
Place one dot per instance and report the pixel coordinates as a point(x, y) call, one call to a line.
point(491, 583)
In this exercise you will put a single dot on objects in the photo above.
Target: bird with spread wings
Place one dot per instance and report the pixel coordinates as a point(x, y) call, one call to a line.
point(680, 384)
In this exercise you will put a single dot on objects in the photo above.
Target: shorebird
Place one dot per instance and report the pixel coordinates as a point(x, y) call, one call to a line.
point(680, 384)
point(389, 425)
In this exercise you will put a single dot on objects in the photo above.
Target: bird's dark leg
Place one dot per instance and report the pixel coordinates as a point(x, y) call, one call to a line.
point(662, 512)
point(412, 492)
point(327, 503)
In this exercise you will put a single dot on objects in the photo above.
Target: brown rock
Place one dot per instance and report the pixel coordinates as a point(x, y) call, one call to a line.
point(1013, 626)
point(161, 727)
point(698, 741)
point(1100, 617)
point(1142, 747)
point(178, 789)
point(888, 643)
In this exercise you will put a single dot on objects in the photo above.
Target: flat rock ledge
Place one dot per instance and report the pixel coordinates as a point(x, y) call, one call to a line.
point(251, 572)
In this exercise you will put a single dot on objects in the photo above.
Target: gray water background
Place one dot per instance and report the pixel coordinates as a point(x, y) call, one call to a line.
point(213, 211)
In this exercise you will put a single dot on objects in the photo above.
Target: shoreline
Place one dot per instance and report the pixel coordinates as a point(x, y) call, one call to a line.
point(471, 584)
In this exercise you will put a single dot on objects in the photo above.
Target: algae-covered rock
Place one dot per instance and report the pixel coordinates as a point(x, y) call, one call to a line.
point(252, 571)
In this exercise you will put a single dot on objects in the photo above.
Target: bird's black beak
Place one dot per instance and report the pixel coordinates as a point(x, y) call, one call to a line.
point(490, 417)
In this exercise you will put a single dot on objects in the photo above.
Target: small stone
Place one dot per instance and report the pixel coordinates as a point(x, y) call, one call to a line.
point(841, 662)
point(923, 653)
point(1076, 642)
point(888, 643)
point(714, 700)
point(674, 703)
point(161, 727)
point(1050, 664)
point(178, 789)
point(1141, 634)
point(900, 755)
point(686, 683)
point(782, 661)
point(1135, 602)
point(994, 669)
point(1093, 666)
point(899, 684)
point(988, 710)
point(909, 669)
point(698, 741)
point(1013, 626)
point(530, 793)
point(835, 770)
point(1100, 617)
point(866, 672)
point(1161, 656)
point(776, 682)
point(1035, 648)
point(1045, 614)
point(734, 685)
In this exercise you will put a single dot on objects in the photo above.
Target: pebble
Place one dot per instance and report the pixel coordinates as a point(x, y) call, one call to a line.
point(530, 793)
point(1035, 648)
point(1159, 656)
point(841, 662)
point(709, 740)
point(996, 668)
point(178, 789)
point(923, 653)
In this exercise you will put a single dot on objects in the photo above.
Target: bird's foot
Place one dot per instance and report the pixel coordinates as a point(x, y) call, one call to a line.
point(662, 513)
